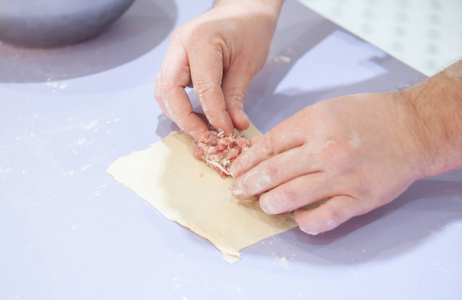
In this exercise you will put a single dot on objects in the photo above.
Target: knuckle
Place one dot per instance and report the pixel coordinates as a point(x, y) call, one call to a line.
point(165, 84)
point(271, 171)
point(196, 36)
point(245, 161)
point(331, 218)
point(361, 206)
point(268, 147)
point(235, 98)
point(289, 195)
point(176, 35)
point(203, 87)
point(161, 91)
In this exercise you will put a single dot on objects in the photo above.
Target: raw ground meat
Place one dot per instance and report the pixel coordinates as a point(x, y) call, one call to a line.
point(220, 149)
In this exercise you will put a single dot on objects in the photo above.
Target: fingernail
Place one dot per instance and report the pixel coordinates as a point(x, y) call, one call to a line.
point(267, 207)
point(308, 232)
point(234, 169)
point(237, 189)
point(237, 166)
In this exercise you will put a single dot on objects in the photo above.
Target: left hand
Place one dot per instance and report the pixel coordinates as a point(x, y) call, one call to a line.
point(359, 151)
point(218, 54)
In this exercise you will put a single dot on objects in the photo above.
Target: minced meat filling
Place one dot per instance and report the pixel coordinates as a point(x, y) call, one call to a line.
point(220, 149)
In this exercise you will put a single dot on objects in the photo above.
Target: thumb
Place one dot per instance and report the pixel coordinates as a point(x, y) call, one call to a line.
point(235, 85)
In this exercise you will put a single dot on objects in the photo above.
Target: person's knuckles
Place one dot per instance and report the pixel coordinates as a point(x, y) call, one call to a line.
point(263, 148)
point(201, 35)
point(198, 35)
point(177, 35)
point(267, 145)
point(271, 172)
point(164, 86)
point(203, 87)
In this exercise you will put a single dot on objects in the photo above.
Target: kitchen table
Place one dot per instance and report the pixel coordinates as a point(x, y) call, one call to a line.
point(69, 231)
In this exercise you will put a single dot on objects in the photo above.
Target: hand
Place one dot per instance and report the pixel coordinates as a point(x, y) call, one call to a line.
point(359, 151)
point(218, 54)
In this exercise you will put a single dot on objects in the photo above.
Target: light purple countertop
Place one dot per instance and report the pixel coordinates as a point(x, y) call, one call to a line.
point(69, 231)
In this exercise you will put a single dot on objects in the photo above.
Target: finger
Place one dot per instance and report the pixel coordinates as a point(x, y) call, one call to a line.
point(235, 85)
point(255, 140)
point(281, 138)
point(206, 73)
point(170, 93)
point(179, 110)
point(275, 171)
point(330, 214)
point(296, 193)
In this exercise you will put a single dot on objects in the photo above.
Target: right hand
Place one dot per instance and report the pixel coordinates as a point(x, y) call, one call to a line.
point(218, 54)
point(359, 151)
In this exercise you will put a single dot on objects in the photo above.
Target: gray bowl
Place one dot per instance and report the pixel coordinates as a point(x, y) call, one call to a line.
point(56, 23)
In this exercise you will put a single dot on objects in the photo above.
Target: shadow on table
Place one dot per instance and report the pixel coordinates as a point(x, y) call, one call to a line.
point(289, 81)
point(392, 230)
point(140, 29)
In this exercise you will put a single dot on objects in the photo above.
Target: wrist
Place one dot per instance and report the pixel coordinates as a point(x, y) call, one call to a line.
point(437, 109)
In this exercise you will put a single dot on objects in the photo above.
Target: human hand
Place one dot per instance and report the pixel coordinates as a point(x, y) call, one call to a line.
point(218, 54)
point(359, 151)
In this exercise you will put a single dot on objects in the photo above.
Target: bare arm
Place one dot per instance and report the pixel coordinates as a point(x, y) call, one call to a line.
point(218, 54)
point(359, 151)
point(438, 110)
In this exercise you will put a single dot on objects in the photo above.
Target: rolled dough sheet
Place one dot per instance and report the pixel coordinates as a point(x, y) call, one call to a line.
point(192, 194)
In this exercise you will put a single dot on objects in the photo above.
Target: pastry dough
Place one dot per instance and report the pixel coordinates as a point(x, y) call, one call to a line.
point(192, 194)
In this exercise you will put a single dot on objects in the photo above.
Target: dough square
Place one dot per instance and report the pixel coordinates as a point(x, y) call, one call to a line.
point(192, 194)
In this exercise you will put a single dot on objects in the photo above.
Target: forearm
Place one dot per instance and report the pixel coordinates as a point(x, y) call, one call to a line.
point(437, 103)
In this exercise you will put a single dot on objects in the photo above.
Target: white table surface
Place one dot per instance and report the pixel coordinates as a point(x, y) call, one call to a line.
point(68, 231)
point(425, 34)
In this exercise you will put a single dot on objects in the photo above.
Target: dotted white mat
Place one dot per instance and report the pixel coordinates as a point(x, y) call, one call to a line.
point(425, 34)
